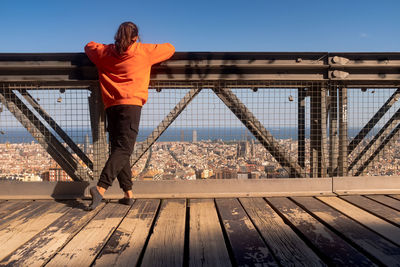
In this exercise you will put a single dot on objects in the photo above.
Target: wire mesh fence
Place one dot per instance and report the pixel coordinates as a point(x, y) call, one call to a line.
point(373, 132)
point(222, 131)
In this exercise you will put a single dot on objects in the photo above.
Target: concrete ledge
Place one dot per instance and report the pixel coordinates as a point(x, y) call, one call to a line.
point(233, 188)
point(172, 189)
point(42, 190)
point(366, 185)
point(209, 188)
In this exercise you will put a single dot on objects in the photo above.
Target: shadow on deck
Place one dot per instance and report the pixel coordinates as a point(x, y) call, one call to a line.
point(308, 231)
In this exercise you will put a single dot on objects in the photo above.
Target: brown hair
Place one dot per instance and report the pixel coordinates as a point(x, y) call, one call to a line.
point(127, 31)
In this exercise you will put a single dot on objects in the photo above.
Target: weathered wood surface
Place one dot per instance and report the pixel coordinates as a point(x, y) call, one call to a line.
point(383, 251)
point(44, 245)
point(127, 242)
point(395, 196)
point(16, 232)
point(166, 244)
point(382, 227)
point(86, 245)
point(375, 208)
point(386, 200)
point(335, 250)
point(308, 231)
point(8, 208)
point(247, 246)
point(26, 209)
point(206, 241)
point(285, 244)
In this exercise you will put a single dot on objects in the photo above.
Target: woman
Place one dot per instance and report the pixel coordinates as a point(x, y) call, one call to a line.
point(124, 75)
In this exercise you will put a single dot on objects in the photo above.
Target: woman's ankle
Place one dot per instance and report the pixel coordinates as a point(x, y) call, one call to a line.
point(101, 190)
point(128, 194)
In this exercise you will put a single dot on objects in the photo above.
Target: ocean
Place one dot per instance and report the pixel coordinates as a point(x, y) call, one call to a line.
point(173, 134)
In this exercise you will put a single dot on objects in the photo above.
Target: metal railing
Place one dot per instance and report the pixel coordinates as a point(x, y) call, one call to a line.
point(209, 116)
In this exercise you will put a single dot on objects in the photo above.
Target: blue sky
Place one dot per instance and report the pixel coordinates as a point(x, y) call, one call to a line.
point(218, 25)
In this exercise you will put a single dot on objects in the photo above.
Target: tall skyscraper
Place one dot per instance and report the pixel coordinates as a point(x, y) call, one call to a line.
point(86, 145)
point(194, 136)
point(182, 136)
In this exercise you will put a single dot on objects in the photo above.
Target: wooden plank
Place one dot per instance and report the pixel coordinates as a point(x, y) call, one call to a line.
point(374, 223)
point(17, 210)
point(166, 244)
point(333, 248)
point(247, 246)
point(385, 200)
point(84, 247)
point(395, 196)
point(44, 245)
point(11, 207)
point(286, 245)
point(18, 231)
point(381, 249)
point(127, 242)
point(206, 241)
point(375, 208)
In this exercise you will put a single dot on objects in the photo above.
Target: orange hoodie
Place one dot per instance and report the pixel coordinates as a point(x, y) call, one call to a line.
point(124, 79)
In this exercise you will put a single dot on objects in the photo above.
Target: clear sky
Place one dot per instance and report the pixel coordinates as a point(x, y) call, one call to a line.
point(204, 25)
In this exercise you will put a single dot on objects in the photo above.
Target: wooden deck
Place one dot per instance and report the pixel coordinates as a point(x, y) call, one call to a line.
point(278, 231)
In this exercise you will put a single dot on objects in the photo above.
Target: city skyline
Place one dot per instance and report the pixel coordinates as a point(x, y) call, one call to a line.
point(184, 161)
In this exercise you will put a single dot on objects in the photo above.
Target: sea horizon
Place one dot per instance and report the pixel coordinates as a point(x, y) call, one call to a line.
point(172, 134)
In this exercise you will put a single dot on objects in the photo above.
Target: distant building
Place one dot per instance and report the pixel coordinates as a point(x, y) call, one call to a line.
point(243, 175)
point(205, 174)
point(56, 175)
point(252, 149)
point(194, 136)
point(226, 174)
point(243, 149)
point(254, 175)
point(86, 145)
point(182, 136)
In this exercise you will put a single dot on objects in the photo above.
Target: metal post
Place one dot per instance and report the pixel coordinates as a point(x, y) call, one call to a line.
point(323, 155)
point(314, 133)
point(333, 131)
point(318, 132)
point(98, 126)
point(301, 140)
point(343, 139)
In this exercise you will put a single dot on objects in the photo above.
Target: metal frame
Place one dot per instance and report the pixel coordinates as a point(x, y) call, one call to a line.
point(43, 135)
point(314, 75)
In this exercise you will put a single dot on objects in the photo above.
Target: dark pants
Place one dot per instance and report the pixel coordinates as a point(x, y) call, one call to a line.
point(123, 127)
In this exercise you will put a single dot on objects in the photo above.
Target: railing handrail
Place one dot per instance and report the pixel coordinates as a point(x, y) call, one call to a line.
point(354, 69)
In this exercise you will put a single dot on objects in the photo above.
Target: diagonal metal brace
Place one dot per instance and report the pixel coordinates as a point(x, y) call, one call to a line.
point(374, 120)
point(394, 135)
point(259, 131)
point(372, 147)
point(58, 129)
point(164, 124)
point(45, 138)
